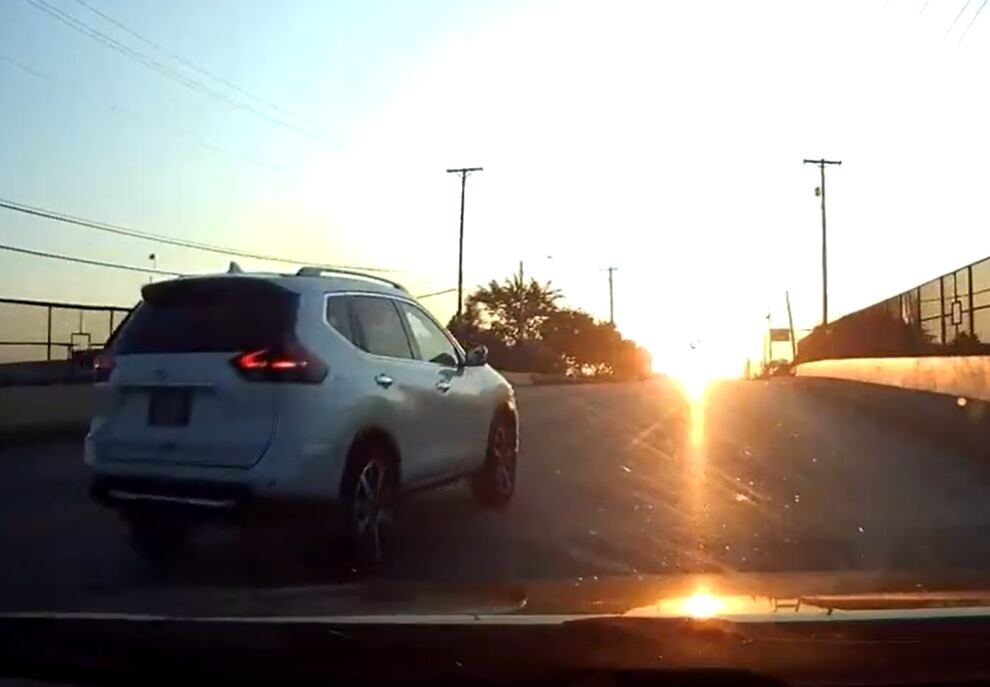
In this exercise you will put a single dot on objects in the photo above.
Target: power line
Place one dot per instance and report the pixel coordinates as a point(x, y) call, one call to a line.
point(147, 236)
point(436, 293)
point(133, 268)
point(188, 63)
point(163, 69)
point(42, 76)
point(973, 20)
point(86, 261)
point(953, 25)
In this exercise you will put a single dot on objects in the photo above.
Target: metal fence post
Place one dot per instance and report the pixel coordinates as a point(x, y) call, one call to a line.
point(941, 307)
point(48, 340)
point(969, 280)
point(917, 321)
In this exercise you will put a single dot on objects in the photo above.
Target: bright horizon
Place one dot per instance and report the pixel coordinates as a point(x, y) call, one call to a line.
point(663, 139)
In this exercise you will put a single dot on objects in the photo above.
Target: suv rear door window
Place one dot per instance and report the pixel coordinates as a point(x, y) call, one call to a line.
point(209, 315)
point(339, 317)
point(381, 329)
point(433, 344)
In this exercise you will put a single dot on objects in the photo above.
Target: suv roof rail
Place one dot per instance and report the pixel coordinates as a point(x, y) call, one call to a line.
point(320, 271)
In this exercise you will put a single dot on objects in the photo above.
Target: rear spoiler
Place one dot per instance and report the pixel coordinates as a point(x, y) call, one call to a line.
point(206, 289)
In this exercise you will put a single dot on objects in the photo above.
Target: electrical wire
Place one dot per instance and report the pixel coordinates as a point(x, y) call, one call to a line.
point(436, 293)
point(42, 76)
point(188, 63)
point(973, 20)
point(953, 25)
point(163, 69)
point(131, 268)
point(86, 261)
point(158, 238)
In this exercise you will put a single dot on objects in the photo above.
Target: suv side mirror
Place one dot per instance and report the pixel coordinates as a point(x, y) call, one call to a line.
point(477, 357)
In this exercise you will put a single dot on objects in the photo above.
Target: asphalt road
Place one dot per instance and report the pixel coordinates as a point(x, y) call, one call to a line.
point(613, 479)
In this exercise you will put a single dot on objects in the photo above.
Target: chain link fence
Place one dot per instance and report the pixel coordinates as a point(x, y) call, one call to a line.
point(949, 315)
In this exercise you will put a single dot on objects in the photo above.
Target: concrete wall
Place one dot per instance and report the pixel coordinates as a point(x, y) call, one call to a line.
point(946, 399)
point(26, 410)
point(44, 372)
point(967, 377)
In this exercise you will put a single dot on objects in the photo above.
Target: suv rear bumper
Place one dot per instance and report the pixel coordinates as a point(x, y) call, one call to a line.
point(205, 499)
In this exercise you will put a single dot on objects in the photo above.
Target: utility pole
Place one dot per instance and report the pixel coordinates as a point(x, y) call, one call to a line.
point(768, 349)
point(463, 171)
point(611, 299)
point(790, 324)
point(821, 165)
point(521, 306)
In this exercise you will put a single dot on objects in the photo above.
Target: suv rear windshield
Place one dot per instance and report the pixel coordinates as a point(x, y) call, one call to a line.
point(209, 315)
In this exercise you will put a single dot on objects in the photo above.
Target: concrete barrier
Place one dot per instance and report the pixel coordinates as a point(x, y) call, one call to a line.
point(47, 409)
point(945, 398)
point(958, 376)
point(518, 378)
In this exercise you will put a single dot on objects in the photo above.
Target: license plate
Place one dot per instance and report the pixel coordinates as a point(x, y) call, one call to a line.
point(169, 408)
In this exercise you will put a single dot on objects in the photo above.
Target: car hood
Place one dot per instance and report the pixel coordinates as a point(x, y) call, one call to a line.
point(807, 629)
point(740, 597)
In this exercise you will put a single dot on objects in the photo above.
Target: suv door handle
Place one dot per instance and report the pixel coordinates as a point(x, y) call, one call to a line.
point(443, 386)
point(383, 380)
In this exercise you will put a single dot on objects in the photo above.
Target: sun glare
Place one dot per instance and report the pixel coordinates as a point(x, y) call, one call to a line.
point(694, 383)
point(701, 604)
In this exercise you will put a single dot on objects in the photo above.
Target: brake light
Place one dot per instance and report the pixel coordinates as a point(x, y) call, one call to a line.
point(291, 363)
point(103, 364)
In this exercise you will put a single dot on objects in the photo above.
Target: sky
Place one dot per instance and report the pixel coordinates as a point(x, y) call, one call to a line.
point(662, 138)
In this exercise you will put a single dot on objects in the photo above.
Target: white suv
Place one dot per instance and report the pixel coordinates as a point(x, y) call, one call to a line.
point(322, 393)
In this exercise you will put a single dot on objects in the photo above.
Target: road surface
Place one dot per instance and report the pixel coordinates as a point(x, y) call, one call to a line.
point(613, 479)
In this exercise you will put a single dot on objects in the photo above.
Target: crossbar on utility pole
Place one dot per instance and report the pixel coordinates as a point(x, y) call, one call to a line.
point(463, 171)
point(821, 165)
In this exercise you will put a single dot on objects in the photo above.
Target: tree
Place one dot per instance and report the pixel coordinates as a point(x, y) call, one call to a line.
point(581, 342)
point(525, 330)
point(514, 310)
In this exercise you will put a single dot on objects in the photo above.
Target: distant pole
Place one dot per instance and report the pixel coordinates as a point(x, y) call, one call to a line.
point(611, 298)
point(768, 349)
point(154, 265)
point(790, 323)
point(463, 171)
point(821, 165)
point(521, 306)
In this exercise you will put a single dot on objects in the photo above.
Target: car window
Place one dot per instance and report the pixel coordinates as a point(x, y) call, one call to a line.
point(339, 317)
point(381, 329)
point(208, 315)
point(434, 346)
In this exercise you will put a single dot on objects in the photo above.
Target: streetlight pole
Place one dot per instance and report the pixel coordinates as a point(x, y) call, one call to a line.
point(821, 165)
point(463, 171)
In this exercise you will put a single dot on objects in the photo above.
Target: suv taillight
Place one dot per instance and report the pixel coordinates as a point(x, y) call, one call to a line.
point(290, 363)
point(103, 364)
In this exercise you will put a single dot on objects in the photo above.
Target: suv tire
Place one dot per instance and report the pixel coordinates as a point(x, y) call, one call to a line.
point(494, 484)
point(368, 498)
